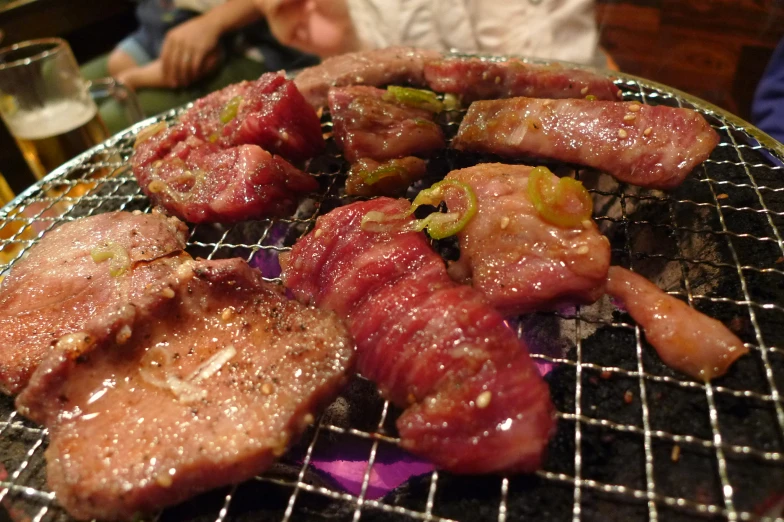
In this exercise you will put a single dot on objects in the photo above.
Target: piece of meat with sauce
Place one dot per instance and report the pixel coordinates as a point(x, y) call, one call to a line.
point(368, 123)
point(219, 163)
point(199, 182)
point(432, 346)
point(644, 145)
point(685, 339)
point(67, 278)
point(368, 177)
point(200, 384)
point(520, 261)
point(378, 67)
point(478, 79)
point(269, 112)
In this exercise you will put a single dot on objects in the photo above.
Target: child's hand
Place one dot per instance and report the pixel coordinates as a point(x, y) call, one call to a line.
point(186, 49)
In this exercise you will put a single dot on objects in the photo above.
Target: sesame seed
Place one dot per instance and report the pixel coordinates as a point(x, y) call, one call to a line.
point(497, 80)
point(676, 453)
point(167, 292)
point(587, 223)
point(504, 222)
point(584, 91)
point(164, 480)
point(318, 233)
point(156, 186)
point(647, 131)
point(485, 75)
point(583, 250)
point(308, 418)
point(227, 314)
point(629, 117)
point(124, 334)
point(267, 388)
point(634, 107)
point(622, 133)
point(619, 94)
point(483, 400)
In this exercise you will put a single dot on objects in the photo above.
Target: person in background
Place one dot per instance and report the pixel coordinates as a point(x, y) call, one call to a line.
point(767, 108)
point(215, 43)
point(554, 29)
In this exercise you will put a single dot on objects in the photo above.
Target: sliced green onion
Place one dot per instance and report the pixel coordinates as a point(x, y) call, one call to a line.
point(439, 225)
point(386, 170)
point(119, 261)
point(555, 200)
point(451, 102)
point(417, 98)
point(229, 111)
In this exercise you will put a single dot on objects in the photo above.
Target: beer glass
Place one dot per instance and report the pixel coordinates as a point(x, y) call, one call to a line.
point(48, 107)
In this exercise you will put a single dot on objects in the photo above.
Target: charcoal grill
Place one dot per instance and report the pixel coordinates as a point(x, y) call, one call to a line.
point(635, 440)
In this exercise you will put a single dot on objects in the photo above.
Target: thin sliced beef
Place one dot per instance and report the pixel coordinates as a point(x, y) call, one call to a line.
point(196, 385)
point(368, 124)
point(217, 164)
point(521, 262)
point(368, 177)
point(684, 338)
point(269, 112)
point(431, 345)
point(648, 146)
point(391, 65)
point(59, 285)
point(478, 79)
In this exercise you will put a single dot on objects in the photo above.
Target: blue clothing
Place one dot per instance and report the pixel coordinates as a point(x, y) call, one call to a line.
point(155, 17)
point(767, 109)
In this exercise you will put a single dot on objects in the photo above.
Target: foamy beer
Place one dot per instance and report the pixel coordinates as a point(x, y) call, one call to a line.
point(46, 104)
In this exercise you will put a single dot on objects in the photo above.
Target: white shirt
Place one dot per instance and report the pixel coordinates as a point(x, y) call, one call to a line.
point(556, 29)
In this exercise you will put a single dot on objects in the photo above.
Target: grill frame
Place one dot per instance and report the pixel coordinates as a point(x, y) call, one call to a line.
point(23, 486)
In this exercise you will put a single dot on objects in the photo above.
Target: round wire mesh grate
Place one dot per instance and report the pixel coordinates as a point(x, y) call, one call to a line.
point(635, 440)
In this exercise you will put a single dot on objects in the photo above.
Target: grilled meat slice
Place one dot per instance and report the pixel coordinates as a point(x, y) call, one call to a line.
point(75, 272)
point(370, 124)
point(391, 65)
point(269, 112)
point(201, 183)
point(649, 146)
point(217, 164)
point(201, 383)
point(684, 338)
point(477, 79)
point(431, 345)
point(519, 261)
point(368, 177)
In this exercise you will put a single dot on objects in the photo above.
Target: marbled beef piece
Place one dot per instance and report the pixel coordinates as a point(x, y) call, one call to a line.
point(77, 271)
point(476, 79)
point(520, 261)
point(202, 183)
point(226, 159)
point(432, 346)
point(644, 145)
point(391, 65)
point(197, 385)
point(269, 112)
point(684, 338)
point(368, 123)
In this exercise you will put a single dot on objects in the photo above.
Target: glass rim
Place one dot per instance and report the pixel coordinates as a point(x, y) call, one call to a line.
point(55, 45)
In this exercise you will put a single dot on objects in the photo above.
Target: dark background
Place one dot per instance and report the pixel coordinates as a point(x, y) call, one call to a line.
point(714, 49)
